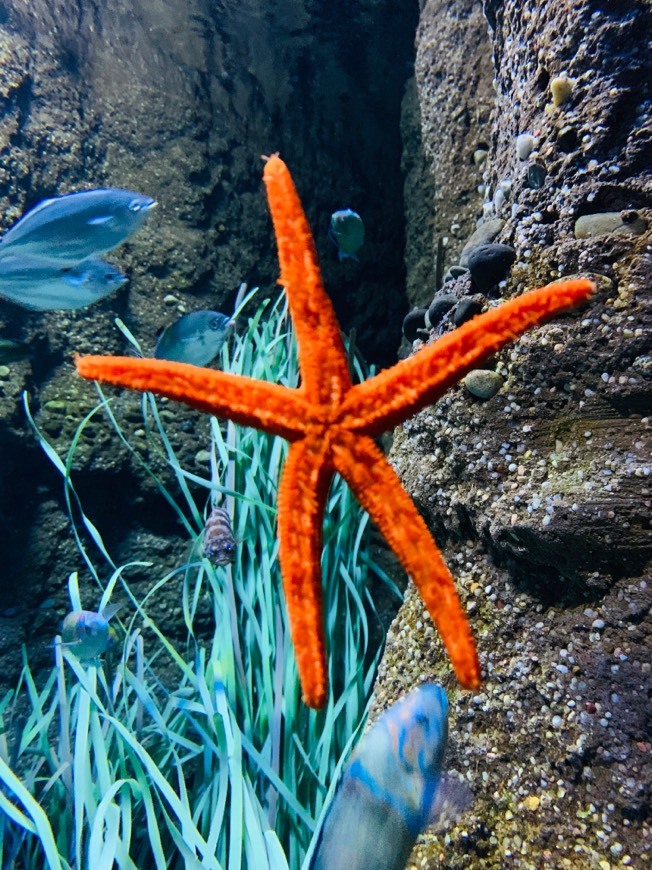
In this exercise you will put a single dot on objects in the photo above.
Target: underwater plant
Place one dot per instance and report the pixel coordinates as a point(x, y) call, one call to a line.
point(201, 756)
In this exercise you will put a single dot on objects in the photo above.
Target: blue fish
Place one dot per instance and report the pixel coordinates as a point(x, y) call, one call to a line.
point(195, 338)
point(392, 788)
point(68, 229)
point(346, 230)
point(87, 633)
point(32, 284)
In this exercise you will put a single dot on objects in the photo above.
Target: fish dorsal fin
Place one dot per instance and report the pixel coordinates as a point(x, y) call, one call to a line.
point(111, 610)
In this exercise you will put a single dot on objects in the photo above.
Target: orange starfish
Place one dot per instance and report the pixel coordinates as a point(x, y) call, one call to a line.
point(331, 424)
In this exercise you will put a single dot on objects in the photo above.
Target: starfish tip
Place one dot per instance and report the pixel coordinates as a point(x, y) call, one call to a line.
point(315, 700)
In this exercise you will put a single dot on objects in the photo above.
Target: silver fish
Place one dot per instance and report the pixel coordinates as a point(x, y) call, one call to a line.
point(392, 788)
point(31, 284)
point(13, 351)
point(219, 545)
point(67, 229)
point(87, 633)
point(195, 338)
point(346, 230)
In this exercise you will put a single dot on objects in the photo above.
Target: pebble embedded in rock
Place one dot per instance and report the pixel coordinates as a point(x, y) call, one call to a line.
point(525, 144)
point(483, 383)
point(486, 232)
point(536, 176)
point(489, 264)
point(561, 88)
point(643, 365)
point(467, 308)
point(439, 306)
point(626, 223)
point(567, 138)
point(532, 803)
point(413, 322)
point(453, 273)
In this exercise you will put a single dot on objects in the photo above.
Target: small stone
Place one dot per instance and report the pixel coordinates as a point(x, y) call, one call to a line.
point(567, 138)
point(169, 299)
point(643, 365)
point(439, 306)
point(626, 223)
point(5, 371)
point(536, 175)
point(525, 144)
point(55, 406)
point(480, 156)
point(467, 308)
point(414, 321)
point(532, 803)
point(489, 264)
point(483, 383)
point(484, 233)
point(203, 457)
point(561, 88)
point(453, 273)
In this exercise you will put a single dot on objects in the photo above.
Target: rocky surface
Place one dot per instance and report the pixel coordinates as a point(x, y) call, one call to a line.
point(541, 495)
point(454, 104)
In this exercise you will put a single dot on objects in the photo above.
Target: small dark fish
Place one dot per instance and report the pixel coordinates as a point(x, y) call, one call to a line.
point(13, 351)
point(195, 338)
point(392, 788)
point(219, 545)
point(38, 286)
point(347, 232)
point(88, 634)
point(67, 229)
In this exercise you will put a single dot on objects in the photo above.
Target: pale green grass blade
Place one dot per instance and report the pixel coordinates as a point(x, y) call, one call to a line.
point(39, 819)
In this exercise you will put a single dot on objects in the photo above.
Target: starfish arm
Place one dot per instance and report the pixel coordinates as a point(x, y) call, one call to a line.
point(250, 402)
point(397, 393)
point(379, 490)
point(302, 493)
point(322, 361)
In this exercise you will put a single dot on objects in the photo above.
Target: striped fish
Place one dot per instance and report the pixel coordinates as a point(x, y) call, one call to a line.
point(219, 544)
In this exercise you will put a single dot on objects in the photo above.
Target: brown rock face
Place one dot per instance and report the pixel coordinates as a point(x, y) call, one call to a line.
point(542, 494)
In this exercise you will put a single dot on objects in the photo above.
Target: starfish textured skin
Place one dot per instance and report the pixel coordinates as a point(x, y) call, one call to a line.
point(330, 424)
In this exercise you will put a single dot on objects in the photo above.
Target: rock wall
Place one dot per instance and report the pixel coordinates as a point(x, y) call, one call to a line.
point(178, 100)
point(540, 495)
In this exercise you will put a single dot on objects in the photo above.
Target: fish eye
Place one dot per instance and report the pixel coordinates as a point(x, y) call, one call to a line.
point(215, 324)
point(135, 205)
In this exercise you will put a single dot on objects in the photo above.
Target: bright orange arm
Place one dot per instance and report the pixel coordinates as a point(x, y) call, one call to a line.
point(395, 394)
point(250, 402)
point(322, 361)
point(379, 491)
